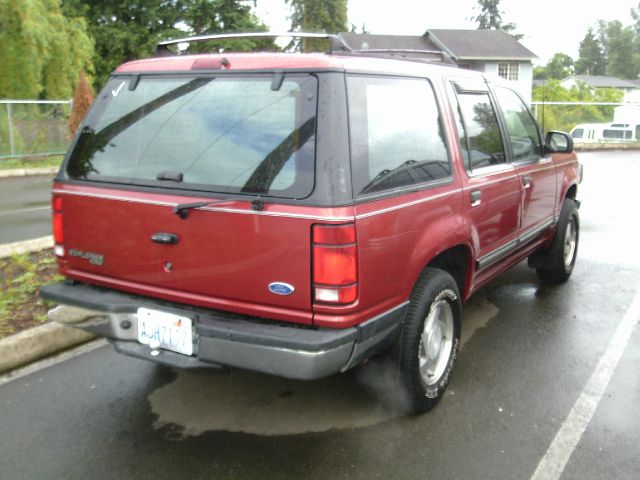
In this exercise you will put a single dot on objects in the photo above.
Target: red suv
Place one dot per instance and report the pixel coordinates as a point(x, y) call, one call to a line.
point(296, 214)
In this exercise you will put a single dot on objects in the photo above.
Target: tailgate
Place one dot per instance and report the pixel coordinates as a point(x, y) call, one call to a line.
point(223, 257)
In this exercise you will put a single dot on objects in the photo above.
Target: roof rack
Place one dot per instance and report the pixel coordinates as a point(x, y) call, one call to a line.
point(405, 54)
point(336, 41)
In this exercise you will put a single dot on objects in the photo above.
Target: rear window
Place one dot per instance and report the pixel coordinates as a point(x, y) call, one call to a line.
point(236, 134)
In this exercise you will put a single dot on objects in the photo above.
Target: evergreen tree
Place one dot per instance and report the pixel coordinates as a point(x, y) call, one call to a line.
point(490, 18)
point(322, 16)
point(591, 59)
point(130, 30)
point(623, 61)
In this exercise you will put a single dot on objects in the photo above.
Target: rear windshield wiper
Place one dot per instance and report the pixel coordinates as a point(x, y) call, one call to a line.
point(384, 174)
point(182, 209)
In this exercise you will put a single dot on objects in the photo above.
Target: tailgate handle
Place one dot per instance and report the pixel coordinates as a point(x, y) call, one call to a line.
point(164, 238)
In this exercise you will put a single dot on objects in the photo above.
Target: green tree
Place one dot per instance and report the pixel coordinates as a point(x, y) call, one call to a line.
point(565, 117)
point(323, 16)
point(591, 58)
point(559, 67)
point(42, 51)
point(130, 30)
point(623, 60)
point(490, 18)
point(219, 16)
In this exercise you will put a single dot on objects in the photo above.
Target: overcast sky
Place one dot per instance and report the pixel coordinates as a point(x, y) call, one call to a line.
point(548, 26)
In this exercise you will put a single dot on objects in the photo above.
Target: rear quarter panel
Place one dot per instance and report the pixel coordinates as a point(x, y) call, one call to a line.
point(397, 237)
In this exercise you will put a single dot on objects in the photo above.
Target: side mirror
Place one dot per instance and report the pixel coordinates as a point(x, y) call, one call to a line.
point(558, 142)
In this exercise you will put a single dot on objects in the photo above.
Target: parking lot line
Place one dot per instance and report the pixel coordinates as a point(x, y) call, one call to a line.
point(557, 456)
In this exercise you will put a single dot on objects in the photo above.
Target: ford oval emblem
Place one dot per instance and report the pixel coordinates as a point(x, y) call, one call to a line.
point(280, 288)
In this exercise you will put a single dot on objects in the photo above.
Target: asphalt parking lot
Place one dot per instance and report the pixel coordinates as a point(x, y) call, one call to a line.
point(25, 208)
point(546, 386)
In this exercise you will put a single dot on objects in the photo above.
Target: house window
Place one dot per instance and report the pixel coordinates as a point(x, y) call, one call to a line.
point(509, 70)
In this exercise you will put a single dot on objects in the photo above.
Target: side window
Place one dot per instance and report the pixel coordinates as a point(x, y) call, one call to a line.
point(523, 132)
point(484, 146)
point(396, 134)
point(578, 133)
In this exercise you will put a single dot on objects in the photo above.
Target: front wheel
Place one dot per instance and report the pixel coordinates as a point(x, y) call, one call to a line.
point(430, 340)
point(563, 253)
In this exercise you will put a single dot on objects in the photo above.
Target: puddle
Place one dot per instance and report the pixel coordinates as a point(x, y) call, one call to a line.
point(240, 401)
point(476, 314)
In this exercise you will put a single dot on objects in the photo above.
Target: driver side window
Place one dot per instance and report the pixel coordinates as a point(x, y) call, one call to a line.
point(523, 132)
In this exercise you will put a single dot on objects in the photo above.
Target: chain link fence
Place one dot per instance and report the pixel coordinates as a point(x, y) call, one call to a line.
point(591, 123)
point(33, 128)
point(38, 128)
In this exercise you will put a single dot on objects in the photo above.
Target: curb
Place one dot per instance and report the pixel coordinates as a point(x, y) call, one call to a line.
point(27, 172)
point(35, 343)
point(26, 246)
point(39, 342)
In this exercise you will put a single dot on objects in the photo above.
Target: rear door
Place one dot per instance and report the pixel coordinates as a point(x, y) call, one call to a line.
point(492, 188)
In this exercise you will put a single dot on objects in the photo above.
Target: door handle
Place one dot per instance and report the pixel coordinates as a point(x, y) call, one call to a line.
point(164, 238)
point(476, 198)
point(526, 181)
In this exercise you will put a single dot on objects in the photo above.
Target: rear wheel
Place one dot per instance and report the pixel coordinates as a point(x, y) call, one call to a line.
point(561, 258)
point(430, 340)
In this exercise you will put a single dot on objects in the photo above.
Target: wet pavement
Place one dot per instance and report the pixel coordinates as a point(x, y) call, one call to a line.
point(25, 208)
point(528, 354)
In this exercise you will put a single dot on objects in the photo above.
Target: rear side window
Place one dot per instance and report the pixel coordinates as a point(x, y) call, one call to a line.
point(237, 134)
point(396, 134)
point(617, 134)
point(481, 144)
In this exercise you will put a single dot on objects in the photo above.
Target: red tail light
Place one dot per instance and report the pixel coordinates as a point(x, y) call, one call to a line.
point(335, 269)
point(58, 237)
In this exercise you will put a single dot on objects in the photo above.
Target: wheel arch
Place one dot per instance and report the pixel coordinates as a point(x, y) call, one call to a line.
point(457, 261)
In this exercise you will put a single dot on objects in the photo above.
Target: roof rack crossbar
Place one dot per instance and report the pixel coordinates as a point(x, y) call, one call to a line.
point(337, 43)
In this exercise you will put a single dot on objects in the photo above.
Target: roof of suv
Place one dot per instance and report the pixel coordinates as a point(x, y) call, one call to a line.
point(271, 61)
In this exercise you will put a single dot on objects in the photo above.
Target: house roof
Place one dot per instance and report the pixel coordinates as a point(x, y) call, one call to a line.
point(366, 41)
point(480, 45)
point(601, 81)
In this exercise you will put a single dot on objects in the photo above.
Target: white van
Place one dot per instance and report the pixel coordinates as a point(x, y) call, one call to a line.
point(605, 132)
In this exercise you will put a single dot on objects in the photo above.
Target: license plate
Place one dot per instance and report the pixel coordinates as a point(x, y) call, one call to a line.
point(165, 330)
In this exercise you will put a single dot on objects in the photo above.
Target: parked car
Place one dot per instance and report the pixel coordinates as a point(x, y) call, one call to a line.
point(605, 132)
point(297, 214)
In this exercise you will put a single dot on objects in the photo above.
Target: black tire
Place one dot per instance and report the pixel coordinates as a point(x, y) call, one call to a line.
point(559, 260)
point(423, 379)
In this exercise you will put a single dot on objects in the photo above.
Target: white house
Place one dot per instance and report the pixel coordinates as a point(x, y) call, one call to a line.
point(599, 81)
point(493, 52)
point(490, 51)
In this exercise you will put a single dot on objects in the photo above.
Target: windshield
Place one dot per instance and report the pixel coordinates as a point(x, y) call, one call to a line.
point(248, 134)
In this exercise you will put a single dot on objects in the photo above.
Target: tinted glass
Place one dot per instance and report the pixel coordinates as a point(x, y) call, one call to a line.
point(224, 134)
point(396, 134)
point(578, 133)
point(617, 134)
point(482, 131)
point(523, 132)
